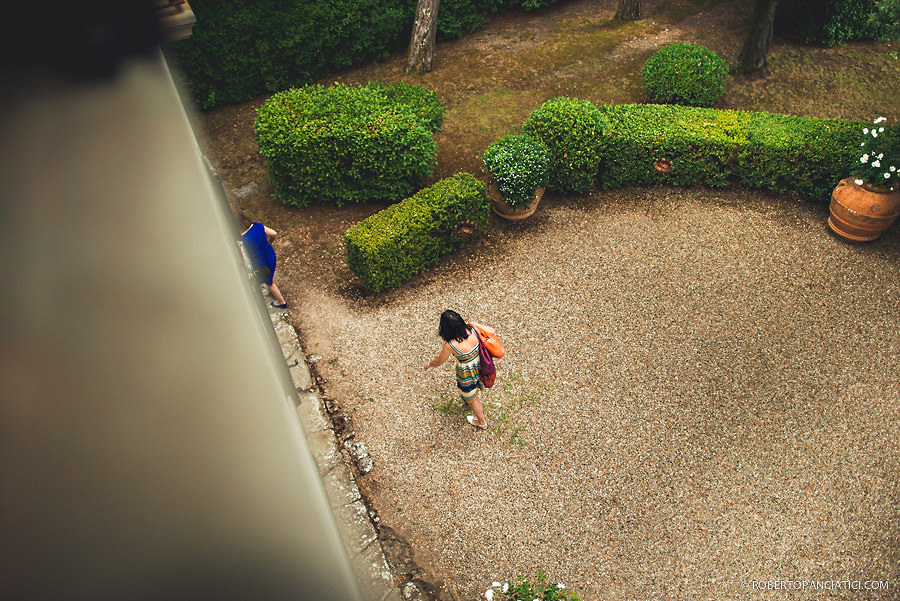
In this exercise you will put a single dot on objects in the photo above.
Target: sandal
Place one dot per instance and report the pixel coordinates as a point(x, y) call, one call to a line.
point(471, 420)
point(284, 306)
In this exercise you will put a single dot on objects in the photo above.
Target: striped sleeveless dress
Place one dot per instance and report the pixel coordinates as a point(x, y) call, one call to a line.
point(468, 367)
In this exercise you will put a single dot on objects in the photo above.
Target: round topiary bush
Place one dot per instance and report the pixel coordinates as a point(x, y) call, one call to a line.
point(572, 131)
point(686, 74)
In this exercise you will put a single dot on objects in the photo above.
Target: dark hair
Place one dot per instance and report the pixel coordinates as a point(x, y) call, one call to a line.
point(245, 221)
point(453, 327)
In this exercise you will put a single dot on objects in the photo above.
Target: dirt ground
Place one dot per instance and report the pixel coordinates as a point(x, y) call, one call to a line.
point(490, 81)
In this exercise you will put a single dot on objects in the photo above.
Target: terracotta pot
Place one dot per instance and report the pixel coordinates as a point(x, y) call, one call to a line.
point(502, 208)
point(862, 213)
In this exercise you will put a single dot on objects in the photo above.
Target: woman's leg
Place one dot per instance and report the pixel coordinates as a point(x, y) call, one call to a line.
point(276, 293)
point(478, 410)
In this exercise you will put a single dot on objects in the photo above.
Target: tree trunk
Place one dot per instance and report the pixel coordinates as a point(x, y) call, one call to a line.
point(629, 10)
point(753, 60)
point(421, 45)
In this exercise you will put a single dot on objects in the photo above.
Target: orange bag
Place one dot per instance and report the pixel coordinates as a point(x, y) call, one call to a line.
point(491, 342)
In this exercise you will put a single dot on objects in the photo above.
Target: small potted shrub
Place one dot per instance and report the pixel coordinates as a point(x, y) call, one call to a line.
point(518, 166)
point(683, 73)
point(867, 203)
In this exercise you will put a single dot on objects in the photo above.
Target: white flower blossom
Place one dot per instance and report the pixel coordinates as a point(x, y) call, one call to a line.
point(893, 168)
point(876, 164)
point(505, 586)
point(489, 594)
point(864, 159)
point(887, 176)
point(560, 585)
point(874, 134)
point(880, 129)
point(495, 584)
point(858, 182)
point(866, 131)
point(880, 155)
point(880, 119)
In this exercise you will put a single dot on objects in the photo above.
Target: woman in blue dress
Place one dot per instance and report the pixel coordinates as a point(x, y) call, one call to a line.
point(256, 238)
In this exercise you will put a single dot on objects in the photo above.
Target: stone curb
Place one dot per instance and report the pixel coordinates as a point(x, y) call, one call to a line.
point(373, 576)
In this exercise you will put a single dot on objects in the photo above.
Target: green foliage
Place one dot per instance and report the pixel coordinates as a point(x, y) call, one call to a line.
point(518, 165)
point(242, 49)
point(449, 404)
point(879, 155)
point(572, 131)
point(699, 143)
point(510, 395)
point(885, 19)
point(348, 144)
point(686, 74)
point(797, 155)
point(458, 17)
point(239, 50)
point(423, 102)
point(403, 240)
point(523, 590)
point(829, 22)
point(780, 153)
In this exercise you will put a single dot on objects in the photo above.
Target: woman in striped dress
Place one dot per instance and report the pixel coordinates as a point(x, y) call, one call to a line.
point(461, 341)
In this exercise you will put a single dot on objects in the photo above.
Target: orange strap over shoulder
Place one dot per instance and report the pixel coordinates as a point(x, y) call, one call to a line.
point(491, 341)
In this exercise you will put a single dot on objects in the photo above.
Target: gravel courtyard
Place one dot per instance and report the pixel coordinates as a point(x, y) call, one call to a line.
point(700, 393)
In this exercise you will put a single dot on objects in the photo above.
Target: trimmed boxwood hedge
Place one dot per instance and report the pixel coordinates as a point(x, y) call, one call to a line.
point(700, 143)
point(348, 144)
point(404, 239)
point(572, 130)
point(779, 153)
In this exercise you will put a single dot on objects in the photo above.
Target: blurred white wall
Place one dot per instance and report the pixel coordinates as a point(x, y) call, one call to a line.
point(149, 446)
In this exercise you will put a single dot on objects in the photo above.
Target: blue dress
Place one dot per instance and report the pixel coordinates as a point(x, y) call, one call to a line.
point(261, 253)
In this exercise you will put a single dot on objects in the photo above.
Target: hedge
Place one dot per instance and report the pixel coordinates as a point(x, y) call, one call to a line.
point(830, 22)
point(618, 145)
point(348, 144)
point(239, 49)
point(700, 143)
point(403, 240)
point(572, 131)
point(778, 153)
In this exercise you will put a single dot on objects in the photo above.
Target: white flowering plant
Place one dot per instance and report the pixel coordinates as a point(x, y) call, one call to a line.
point(874, 166)
point(518, 164)
point(523, 590)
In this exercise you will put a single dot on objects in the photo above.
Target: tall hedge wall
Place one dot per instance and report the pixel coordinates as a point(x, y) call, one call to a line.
point(403, 240)
point(241, 49)
point(828, 22)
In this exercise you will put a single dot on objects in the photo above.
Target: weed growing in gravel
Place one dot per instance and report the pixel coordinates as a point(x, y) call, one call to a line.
point(524, 590)
point(449, 404)
point(504, 403)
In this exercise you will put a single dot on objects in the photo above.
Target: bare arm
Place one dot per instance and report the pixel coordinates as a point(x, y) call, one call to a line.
point(441, 358)
point(270, 232)
point(487, 329)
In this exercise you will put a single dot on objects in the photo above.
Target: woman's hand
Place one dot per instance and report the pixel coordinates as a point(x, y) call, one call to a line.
point(427, 365)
